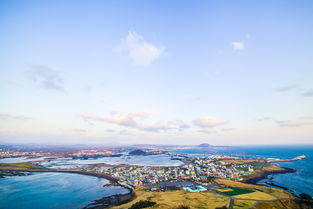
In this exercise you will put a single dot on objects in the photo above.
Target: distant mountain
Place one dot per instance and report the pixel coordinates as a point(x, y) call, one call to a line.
point(204, 145)
point(137, 152)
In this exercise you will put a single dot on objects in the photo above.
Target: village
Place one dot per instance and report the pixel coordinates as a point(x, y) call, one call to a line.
point(198, 171)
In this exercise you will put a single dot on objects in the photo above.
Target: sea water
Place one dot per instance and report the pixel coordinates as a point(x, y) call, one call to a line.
point(298, 182)
point(53, 191)
point(140, 160)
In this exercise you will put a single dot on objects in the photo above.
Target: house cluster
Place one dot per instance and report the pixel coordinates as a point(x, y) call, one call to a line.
point(91, 153)
point(197, 170)
point(7, 154)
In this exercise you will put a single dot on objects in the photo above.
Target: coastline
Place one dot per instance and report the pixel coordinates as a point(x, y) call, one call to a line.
point(265, 173)
point(101, 203)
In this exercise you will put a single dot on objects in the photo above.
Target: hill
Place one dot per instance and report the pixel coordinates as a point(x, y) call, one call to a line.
point(137, 152)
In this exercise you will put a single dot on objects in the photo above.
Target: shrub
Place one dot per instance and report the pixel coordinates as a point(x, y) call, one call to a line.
point(182, 207)
point(142, 204)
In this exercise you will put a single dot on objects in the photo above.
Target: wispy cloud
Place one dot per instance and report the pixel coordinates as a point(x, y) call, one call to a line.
point(238, 45)
point(16, 117)
point(306, 118)
point(288, 88)
point(126, 120)
point(47, 78)
point(208, 122)
point(206, 131)
point(308, 93)
point(227, 129)
point(157, 127)
point(134, 120)
point(193, 97)
point(15, 82)
point(78, 130)
point(139, 50)
point(291, 123)
point(179, 124)
point(110, 130)
point(264, 119)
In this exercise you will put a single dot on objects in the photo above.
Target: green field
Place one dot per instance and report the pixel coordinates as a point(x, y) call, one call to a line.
point(24, 165)
point(236, 191)
point(260, 164)
point(242, 168)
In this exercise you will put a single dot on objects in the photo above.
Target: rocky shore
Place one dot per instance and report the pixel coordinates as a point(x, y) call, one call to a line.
point(253, 179)
point(116, 199)
point(264, 175)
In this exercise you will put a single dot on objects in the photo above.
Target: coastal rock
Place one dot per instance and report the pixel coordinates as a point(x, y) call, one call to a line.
point(137, 152)
point(305, 196)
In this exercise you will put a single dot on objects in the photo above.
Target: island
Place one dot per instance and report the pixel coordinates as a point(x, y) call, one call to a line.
point(213, 181)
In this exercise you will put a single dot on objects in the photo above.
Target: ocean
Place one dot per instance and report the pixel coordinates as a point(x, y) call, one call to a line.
point(297, 183)
point(64, 190)
point(53, 191)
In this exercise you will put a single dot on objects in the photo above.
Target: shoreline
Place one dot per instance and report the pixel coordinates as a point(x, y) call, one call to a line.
point(101, 203)
point(264, 175)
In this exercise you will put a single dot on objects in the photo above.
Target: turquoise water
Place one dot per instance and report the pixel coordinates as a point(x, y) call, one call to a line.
point(141, 160)
point(19, 159)
point(299, 182)
point(53, 191)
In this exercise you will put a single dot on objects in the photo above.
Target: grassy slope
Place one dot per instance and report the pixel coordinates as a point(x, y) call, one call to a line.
point(170, 199)
point(243, 204)
point(17, 165)
point(276, 193)
point(283, 204)
point(209, 200)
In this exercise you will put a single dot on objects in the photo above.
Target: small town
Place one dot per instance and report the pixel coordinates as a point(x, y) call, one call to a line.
point(199, 169)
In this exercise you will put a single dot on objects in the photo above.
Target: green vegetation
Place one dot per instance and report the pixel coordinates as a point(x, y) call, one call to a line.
point(18, 165)
point(142, 204)
point(172, 199)
point(243, 204)
point(11, 173)
point(283, 204)
point(24, 165)
point(242, 168)
point(236, 191)
point(260, 165)
point(182, 207)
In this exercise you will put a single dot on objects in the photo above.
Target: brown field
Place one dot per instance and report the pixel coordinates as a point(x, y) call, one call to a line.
point(257, 195)
point(16, 165)
point(284, 204)
point(243, 204)
point(170, 199)
point(242, 162)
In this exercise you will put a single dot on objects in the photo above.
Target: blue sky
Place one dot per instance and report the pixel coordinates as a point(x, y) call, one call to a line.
point(166, 72)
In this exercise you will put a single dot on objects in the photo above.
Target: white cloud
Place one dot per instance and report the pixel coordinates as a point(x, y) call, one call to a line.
point(117, 118)
point(133, 120)
point(16, 117)
point(264, 119)
point(153, 127)
point(288, 88)
point(228, 129)
point(238, 45)
point(179, 124)
point(208, 122)
point(15, 82)
point(127, 119)
point(308, 93)
point(47, 78)
point(291, 123)
point(139, 50)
